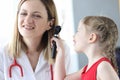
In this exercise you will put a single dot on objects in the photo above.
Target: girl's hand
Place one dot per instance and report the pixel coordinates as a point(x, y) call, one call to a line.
point(59, 66)
point(59, 44)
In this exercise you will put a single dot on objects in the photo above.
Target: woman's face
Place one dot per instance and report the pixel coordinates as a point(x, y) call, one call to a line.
point(33, 19)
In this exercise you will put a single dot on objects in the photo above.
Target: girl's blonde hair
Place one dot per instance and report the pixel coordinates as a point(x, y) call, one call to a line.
point(107, 31)
point(17, 44)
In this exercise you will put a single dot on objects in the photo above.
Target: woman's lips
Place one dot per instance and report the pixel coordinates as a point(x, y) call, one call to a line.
point(28, 27)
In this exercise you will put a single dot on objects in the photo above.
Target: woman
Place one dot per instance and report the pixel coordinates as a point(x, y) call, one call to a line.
point(29, 47)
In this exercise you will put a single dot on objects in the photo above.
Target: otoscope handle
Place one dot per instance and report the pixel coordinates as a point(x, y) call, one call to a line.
point(54, 49)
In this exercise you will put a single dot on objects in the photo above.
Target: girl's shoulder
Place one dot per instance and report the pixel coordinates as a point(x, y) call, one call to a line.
point(104, 65)
point(106, 71)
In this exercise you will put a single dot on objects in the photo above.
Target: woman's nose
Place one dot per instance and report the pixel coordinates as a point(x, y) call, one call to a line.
point(28, 19)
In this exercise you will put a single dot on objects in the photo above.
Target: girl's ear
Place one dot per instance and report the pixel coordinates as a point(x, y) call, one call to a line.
point(92, 38)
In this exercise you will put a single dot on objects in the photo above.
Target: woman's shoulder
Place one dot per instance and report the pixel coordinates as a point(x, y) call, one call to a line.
point(3, 49)
point(2, 54)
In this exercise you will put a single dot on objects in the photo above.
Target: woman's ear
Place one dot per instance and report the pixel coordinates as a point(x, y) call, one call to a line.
point(92, 38)
point(50, 23)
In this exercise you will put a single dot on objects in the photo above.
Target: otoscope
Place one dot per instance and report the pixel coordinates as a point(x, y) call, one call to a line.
point(57, 29)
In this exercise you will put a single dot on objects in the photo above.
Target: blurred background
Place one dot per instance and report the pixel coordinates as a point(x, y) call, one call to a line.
point(69, 13)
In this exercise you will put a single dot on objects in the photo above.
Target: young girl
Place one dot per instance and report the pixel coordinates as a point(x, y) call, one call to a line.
point(96, 37)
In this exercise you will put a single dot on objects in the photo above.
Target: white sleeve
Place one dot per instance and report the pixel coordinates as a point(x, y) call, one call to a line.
point(1, 65)
point(67, 59)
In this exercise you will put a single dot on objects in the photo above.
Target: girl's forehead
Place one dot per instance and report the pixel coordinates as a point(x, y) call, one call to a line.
point(80, 24)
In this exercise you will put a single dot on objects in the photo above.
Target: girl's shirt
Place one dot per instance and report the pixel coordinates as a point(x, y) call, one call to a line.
point(42, 71)
point(92, 72)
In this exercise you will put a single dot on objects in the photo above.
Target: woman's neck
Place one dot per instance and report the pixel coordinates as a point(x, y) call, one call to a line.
point(32, 44)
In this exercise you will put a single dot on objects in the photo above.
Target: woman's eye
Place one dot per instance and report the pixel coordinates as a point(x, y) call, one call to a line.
point(36, 16)
point(23, 14)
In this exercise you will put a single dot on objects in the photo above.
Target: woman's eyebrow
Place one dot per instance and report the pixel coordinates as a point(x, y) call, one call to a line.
point(37, 12)
point(33, 11)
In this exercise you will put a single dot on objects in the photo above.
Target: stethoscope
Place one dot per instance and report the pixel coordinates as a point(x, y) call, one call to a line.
point(15, 64)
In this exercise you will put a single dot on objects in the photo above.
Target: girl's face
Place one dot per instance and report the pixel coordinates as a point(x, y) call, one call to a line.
point(80, 38)
point(33, 19)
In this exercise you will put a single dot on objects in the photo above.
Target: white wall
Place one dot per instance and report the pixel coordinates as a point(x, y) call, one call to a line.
point(7, 16)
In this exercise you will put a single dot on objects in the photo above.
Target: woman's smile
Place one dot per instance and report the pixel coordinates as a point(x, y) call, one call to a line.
point(28, 27)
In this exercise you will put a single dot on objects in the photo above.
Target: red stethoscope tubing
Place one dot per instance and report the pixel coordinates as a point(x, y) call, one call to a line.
point(51, 70)
point(15, 64)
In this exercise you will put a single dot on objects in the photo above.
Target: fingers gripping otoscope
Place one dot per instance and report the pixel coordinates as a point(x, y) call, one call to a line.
point(57, 30)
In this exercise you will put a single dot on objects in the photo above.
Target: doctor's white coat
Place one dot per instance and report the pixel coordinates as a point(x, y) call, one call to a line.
point(42, 71)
